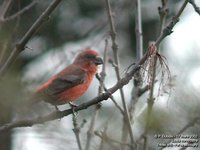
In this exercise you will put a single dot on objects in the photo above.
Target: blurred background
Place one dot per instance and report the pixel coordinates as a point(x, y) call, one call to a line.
point(76, 25)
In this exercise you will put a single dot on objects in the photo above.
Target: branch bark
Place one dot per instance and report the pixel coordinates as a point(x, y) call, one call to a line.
point(97, 107)
point(21, 45)
point(76, 131)
point(164, 32)
point(184, 128)
point(126, 117)
point(20, 12)
point(196, 8)
point(168, 29)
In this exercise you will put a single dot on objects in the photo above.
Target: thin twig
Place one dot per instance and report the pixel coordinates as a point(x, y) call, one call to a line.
point(137, 77)
point(105, 137)
point(151, 99)
point(163, 12)
point(21, 45)
point(117, 105)
point(101, 87)
point(102, 139)
point(196, 8)
point(165, 32)
point(22, 11)
point(116, 59)
point(3, 51)
point(187, 126)
point(97, 107)
point(137, 92)
point(112, 98)
point(168, 29)
point(138, 30)
point(139, 53)
point(96, 111)
point(103, 71)
point(4, 8)
point(76, 130)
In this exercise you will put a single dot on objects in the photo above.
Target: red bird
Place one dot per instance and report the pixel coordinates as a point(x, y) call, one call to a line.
point(72, 82)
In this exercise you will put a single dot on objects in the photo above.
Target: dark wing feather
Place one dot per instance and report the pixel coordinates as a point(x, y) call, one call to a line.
point(66, 81)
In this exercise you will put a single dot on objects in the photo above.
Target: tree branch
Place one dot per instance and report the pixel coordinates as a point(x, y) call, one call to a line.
point(163, 12)
point(4, 8)
point(116, 60)
point(196, 8)
point(112, 98)
point(26, 8)
point(104, 96)
point(168, 29)
point(138, 30)
point(137, 82)
point(76, 131)
point(187, 126)
point(164, 32)
point(101, 146)
point(21, 45)
point(97, 107)
point(105, 137)
point(150, 100)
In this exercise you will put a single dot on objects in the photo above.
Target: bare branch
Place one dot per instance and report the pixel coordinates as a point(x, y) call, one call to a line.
point(103, 71)
point(136, 93)
point(138, 31)
point(143, 90)
point(76, 130)
point(151, 99)
point(116, 59)
point(3, 51)
point(22, 11)
point(4, 8)
point(163, 12)
point(21, 45)
point(187, 126)
point(112, 98)
point(139, 53)
point(95, 115)
point(196, 8)
point(165, 32)
point(105, 137)
point(168, 29)
point(102, 139)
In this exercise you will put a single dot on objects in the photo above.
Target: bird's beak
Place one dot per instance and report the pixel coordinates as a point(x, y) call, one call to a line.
point(98, 60)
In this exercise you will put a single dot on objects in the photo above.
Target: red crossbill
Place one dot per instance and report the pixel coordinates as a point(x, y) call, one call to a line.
point(72, 82)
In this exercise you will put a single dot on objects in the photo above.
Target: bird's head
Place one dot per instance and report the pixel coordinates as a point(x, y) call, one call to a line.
point(88, 60)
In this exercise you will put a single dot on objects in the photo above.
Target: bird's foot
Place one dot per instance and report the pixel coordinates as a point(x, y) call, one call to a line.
point(57, 110)
point(73, 106)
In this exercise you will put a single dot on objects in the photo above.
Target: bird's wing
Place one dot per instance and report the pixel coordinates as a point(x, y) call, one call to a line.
point(66, 80)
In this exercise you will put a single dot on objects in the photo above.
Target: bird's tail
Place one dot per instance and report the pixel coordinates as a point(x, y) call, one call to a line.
point(32, 107)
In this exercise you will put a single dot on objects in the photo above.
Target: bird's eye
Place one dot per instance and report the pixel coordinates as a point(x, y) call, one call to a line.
point(91, 57)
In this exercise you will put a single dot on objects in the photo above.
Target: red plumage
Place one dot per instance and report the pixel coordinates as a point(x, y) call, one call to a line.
point(72, 82)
